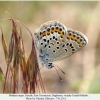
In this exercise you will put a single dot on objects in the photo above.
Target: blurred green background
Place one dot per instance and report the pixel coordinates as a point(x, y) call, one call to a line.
point(83, 68)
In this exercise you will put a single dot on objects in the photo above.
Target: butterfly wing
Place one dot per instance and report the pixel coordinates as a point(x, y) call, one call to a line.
point(73, 42)
point(56, 42)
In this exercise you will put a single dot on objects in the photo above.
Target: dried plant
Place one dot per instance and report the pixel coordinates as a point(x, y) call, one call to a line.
point(22, 76)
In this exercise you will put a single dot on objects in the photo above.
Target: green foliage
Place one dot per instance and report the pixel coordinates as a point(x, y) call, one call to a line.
point(95, 85)
point(1, 77)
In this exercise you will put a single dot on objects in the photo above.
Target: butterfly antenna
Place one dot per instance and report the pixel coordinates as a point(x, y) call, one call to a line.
point(58, 74)
point(60, 69)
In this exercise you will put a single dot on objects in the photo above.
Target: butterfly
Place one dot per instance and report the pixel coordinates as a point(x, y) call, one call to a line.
point(55, 42)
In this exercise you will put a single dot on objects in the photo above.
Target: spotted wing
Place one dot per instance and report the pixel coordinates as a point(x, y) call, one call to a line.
point(57, 42)
point(73, 42)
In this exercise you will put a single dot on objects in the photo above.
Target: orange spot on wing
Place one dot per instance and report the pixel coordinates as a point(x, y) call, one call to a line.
point(75, 38)
point(60, 32)
point(48, 32)
point(53, 30)
point(78, 41)
point(68, 36)
point(62, 35)
point(81, 45)
point(43, 34)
